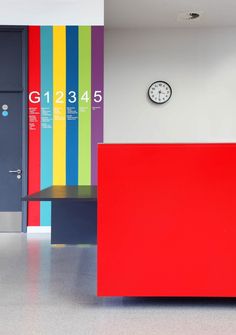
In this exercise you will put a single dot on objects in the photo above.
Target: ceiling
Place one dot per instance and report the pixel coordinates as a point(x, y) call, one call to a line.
point(58, 12)
point(165, 13)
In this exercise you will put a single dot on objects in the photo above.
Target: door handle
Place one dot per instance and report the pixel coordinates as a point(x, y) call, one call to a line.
point(18, 171)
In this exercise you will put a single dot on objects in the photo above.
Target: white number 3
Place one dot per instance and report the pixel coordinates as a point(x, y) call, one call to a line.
point(72, 98)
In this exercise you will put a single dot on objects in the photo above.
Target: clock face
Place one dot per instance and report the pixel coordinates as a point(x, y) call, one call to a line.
point(160, 92)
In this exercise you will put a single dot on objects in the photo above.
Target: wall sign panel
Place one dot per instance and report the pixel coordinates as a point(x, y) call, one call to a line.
point(65, 109)
point(59, 105)
point(72, 105)
point(34, 123)
point(46, 120)
point(97, 94)
point(85, 105)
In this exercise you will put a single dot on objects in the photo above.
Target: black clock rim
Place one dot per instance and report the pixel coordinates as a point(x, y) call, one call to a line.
point(155, 82)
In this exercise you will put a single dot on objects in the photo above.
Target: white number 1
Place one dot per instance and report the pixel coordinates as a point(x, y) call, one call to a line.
point(46, 94)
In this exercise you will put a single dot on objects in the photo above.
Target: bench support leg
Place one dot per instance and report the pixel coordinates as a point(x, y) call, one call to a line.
point(74, 222)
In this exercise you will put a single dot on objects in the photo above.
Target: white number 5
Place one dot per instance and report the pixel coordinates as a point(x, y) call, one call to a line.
point(98, 96)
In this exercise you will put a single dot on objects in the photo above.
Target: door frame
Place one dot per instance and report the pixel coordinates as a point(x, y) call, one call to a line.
point(24, 34)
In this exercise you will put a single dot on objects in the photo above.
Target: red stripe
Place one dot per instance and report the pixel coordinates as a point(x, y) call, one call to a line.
point(34, 125)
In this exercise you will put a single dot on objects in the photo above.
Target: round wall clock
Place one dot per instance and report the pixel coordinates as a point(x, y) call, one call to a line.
point(159, 92)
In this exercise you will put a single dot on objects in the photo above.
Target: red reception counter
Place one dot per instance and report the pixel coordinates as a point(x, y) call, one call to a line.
point(167, 220)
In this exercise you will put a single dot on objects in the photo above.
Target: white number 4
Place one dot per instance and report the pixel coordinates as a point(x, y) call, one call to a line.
point(85, 97)
point(97, 96)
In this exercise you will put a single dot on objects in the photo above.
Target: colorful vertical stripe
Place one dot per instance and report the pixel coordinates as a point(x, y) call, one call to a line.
point(72, 106)
point(34, 123)
point(46, 120)
point(97, 94)
point(59, 105)
point(85, 105)
point(65, 109)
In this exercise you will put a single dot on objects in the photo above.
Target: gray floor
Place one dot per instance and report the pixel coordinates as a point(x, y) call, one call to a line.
point(46, 290)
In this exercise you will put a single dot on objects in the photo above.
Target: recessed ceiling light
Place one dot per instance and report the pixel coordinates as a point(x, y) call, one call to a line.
point(189, 16)
point(193, 16)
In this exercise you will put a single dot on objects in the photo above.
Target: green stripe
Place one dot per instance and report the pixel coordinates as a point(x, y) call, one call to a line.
point(84, 107)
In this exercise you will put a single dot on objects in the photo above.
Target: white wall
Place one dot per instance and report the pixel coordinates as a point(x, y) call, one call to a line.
point(52, 12)
point(200, 65)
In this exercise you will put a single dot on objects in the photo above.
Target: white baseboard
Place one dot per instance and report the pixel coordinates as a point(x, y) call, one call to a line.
point(38, 230)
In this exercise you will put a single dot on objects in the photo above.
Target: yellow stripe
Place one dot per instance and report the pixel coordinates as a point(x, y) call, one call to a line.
point(59, 105)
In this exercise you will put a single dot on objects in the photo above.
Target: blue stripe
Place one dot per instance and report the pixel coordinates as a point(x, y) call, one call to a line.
point(72, 105)
point(46, 119)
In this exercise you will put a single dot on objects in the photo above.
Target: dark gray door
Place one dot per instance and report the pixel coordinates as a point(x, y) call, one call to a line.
point(12, 92)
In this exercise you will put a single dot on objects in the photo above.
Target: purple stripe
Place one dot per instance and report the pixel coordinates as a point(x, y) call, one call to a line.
point(97, 85)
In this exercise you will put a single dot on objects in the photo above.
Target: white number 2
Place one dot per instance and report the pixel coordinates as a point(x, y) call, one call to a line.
point(60, 96)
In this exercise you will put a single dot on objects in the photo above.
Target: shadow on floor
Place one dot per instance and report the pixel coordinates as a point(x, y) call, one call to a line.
point(179, 302)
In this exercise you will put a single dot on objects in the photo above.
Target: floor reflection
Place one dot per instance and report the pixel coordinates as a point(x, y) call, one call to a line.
point(44, 289)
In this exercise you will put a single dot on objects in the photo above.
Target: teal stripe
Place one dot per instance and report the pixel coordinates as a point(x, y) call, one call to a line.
point(46, 119)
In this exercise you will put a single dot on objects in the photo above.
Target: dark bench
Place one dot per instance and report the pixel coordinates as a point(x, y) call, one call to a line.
point(74, 213)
